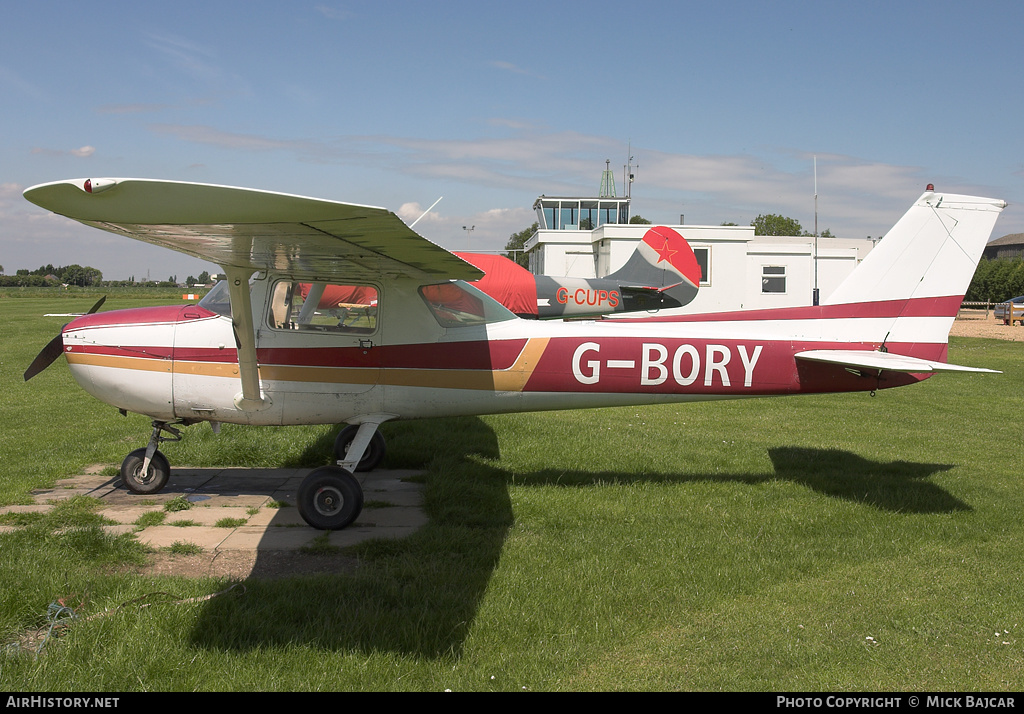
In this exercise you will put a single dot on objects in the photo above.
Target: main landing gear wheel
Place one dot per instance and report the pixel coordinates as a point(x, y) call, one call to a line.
point(330, 498)
point(155, 477)
point(374, 452)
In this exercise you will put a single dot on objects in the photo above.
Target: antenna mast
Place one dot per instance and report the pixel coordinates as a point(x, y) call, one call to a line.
point(607, 181)
point(628, 168)
point(815, 295)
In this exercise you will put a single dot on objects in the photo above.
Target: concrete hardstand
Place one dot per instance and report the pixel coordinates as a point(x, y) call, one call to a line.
point(238, 509)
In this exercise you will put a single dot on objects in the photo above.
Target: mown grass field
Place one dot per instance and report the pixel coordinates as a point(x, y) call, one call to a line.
point(809, 543)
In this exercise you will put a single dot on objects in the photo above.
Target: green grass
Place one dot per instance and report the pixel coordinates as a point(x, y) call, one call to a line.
point(811, 543)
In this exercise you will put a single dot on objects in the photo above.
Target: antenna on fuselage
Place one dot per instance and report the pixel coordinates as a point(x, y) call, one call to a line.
point(426, 211)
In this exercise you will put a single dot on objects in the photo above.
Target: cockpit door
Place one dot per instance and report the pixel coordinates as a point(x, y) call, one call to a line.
point(319, 338)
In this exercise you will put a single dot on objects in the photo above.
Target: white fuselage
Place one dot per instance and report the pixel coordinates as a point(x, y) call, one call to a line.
point(181, 362)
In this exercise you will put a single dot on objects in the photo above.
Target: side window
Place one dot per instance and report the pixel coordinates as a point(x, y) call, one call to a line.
point(323, 307)
point(773, 278)
point(457, 304)
point(703, 256)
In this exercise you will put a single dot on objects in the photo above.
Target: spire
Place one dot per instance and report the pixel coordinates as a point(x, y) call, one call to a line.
point(607, 181)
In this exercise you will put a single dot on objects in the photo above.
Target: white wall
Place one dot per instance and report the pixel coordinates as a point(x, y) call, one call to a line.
point(736, 260)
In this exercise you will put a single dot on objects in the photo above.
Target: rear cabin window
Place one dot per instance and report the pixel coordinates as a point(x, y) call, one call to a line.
point(457, 304)
point(323, 307)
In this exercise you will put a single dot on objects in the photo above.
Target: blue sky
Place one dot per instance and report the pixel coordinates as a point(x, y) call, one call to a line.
point(724, 106)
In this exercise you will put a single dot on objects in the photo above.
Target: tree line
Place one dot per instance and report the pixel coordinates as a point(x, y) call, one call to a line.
point(997, 280)
point(83, 276)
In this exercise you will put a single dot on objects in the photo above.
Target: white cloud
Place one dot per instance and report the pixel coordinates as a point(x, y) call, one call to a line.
point(334, 13)
point(137, 108)
point(199, 134)
point(514, 69)
point(14, 81)
point(83, 152)
point(857, 197)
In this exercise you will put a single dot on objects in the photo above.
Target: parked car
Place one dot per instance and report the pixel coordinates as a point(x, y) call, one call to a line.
point(1011, 310)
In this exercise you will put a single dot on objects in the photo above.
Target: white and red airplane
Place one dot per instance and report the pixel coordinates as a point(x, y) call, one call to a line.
point(419, 342)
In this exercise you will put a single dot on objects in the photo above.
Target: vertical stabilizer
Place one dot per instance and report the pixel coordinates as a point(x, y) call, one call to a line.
point(931, 252)
point(910, 286)
point(662, 261)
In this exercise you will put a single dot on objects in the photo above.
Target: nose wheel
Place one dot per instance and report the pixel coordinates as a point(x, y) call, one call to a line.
point(137, 478)
point(147, 470)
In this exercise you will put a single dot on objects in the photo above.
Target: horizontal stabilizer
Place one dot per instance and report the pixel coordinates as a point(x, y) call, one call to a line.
point(884, 361)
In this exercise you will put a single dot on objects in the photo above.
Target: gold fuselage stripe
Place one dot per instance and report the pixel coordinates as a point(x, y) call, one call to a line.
point(513, 379)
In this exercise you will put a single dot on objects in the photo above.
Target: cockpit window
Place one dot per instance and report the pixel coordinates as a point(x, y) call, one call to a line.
point(218, 300)
point(323, 307)
point(456, 304)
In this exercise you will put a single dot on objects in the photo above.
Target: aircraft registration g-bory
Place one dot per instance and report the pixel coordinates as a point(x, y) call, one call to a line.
point(266, 346)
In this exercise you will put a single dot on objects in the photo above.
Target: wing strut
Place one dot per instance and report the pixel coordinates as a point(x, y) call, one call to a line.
point(250, 399)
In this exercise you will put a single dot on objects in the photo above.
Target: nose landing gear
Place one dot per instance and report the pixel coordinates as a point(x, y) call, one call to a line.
point(147, 470)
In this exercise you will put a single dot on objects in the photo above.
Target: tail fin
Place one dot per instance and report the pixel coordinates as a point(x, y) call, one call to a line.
point(911, 284)
point(931, 252)
point(663, 261)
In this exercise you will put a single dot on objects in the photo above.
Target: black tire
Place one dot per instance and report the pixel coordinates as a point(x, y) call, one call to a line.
point(374, 452)
point(133, 478)
point(330, 498)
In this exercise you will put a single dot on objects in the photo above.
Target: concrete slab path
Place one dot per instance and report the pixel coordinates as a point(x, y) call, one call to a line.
point(240, 509)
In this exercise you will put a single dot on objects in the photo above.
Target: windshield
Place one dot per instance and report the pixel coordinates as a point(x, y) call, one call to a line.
point(218, 299)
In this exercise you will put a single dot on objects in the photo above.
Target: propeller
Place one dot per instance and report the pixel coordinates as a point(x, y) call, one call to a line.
point(54, 348)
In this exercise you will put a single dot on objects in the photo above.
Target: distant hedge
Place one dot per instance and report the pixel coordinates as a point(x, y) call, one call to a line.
point(27, 281)
point(997, 280)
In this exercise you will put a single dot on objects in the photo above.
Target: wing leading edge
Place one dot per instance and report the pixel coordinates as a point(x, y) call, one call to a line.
point(255, 230)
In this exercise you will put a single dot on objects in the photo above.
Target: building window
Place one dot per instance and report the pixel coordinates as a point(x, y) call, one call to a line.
point(703, 256)
point(773, 279)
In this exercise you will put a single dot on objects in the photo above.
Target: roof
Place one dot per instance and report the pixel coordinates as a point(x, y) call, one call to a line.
point(1011, 239)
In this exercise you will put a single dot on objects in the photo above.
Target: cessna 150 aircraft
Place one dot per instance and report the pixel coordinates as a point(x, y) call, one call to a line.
point(420, 342)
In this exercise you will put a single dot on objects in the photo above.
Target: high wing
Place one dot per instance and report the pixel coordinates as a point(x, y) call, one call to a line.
point(254, 230)
point(245, 230)
point(884, 361)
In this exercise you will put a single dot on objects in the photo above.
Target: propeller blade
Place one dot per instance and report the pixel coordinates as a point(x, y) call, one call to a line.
point(54, 349)
point(96, 307)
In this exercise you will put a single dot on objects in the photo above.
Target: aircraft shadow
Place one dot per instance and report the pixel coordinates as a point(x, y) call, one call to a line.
point(416, 595)
point(419, 595)
point(897, 486)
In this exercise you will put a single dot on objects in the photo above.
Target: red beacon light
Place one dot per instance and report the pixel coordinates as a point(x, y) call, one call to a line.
point(931, 187)
point(97, 185)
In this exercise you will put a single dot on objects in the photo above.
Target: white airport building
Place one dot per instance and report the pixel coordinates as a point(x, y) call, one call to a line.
point(592, 237)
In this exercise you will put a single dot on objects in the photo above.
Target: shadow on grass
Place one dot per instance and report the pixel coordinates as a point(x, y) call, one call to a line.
point(897, 486)
point(420, 595)
point(417, 595)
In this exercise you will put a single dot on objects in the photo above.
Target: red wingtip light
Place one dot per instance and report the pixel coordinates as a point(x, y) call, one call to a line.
point(931, 187)
point(97, 185)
